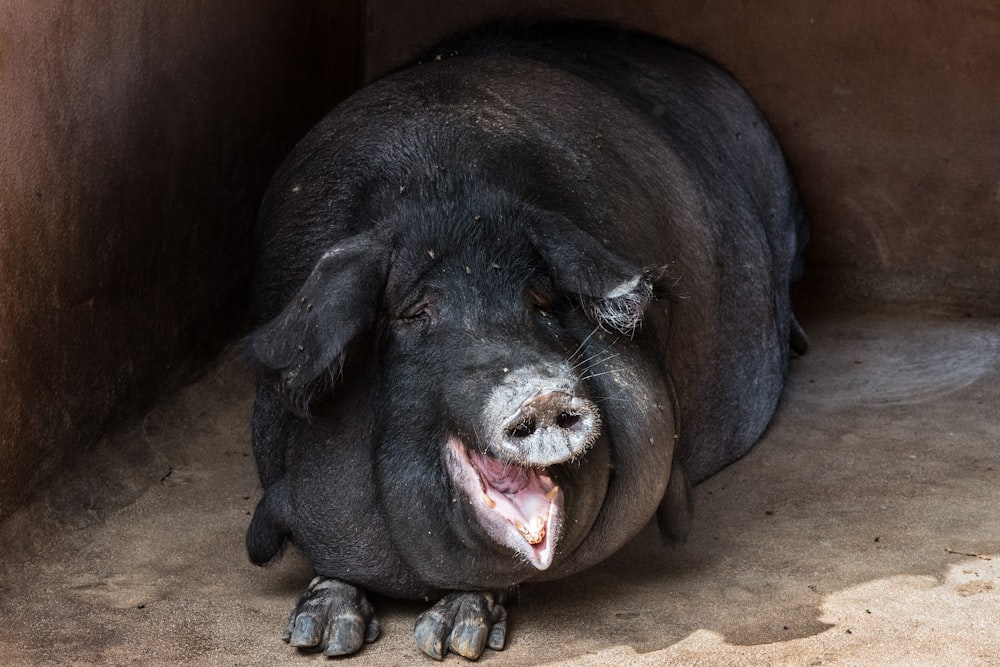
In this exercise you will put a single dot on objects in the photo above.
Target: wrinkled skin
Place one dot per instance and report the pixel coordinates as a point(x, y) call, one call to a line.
point(511, 303)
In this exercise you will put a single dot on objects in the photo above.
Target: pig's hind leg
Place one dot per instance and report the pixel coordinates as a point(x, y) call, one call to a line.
point(463, 623)
point(332, 617)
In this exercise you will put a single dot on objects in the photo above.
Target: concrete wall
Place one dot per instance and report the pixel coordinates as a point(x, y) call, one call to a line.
point(135, 139)
point(889, 113)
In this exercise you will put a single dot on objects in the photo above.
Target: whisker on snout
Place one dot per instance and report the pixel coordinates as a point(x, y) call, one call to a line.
point(610, 401)
point(590, 376)
point(583, 343)
point(479, 441)
point(614, 398)
point(596, 359)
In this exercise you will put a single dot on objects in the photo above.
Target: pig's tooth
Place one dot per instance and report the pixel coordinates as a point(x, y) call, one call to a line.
point(489, 501)
point(552, 493)
point(531, 536)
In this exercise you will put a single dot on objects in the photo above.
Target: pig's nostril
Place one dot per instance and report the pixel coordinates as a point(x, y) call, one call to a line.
point(567, 420)
point(523, 428)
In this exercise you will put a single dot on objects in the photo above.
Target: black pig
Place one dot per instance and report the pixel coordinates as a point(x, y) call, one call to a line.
point(511, 301)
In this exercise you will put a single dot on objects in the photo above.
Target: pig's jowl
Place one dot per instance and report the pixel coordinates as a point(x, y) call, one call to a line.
point(511, 301)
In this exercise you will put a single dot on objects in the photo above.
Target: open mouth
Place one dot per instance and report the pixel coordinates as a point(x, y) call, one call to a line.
point(519, 506)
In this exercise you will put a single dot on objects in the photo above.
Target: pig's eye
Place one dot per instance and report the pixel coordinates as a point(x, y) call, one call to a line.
point(540, 300)
point(419, 314)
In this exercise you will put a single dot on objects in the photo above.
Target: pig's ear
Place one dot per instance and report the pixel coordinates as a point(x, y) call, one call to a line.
point(338, 301)
point(614, 291)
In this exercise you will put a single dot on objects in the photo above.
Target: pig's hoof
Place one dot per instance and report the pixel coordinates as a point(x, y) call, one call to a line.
point(332, 617)
point(463, 623)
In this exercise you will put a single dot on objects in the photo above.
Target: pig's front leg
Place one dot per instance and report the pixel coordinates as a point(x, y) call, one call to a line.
point(463, 623)
point(332, 617)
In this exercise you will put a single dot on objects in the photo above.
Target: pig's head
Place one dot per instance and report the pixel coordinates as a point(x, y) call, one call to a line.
point(491, 361)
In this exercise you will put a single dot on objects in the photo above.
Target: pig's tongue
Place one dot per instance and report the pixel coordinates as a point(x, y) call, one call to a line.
point(521, 495)
point(519, 506)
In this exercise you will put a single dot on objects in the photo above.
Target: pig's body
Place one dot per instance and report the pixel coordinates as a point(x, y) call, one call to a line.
point(452, 271)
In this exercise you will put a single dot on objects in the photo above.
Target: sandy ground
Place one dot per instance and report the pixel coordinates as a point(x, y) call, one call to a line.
point(863, 530)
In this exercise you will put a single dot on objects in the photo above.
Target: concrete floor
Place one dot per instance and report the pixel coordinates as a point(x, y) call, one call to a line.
point(864, 529)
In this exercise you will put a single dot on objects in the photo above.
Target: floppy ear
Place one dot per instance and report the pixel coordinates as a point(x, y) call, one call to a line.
point(338, 301)
point(614, 291)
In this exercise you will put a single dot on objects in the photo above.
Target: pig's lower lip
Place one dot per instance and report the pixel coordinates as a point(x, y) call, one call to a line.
point(518, 507)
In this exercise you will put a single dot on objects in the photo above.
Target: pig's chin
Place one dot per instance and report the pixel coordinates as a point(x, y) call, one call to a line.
point(518, 507)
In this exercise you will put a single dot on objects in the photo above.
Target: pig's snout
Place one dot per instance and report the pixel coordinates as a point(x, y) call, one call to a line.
point(554, 409)
point(541, 421)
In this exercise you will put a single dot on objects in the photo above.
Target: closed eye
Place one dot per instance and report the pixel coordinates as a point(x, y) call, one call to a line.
point(540, 300)
point(419, 313)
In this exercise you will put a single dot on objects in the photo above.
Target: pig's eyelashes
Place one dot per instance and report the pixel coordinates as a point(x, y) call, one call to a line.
point(420, 314)
point(540, 299)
